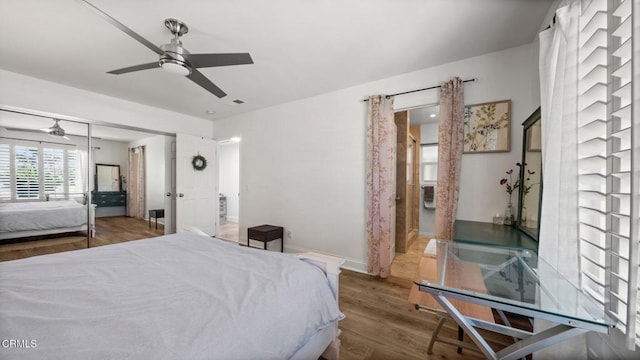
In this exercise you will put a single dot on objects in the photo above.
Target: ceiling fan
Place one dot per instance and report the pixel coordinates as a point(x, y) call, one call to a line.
point(56, 130)
point(176, 59)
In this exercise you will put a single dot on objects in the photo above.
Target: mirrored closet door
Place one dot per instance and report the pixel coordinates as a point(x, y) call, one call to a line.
point(44, 185)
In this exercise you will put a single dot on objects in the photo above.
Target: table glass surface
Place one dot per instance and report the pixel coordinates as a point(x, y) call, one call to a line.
point(515, 277)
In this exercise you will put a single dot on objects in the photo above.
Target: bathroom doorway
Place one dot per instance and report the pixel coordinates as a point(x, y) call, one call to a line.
point(416, 180)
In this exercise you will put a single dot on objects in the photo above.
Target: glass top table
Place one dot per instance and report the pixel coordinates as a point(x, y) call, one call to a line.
point(517, 281)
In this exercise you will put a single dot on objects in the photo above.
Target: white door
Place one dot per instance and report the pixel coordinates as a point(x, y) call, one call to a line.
point(170, 189)
point(197, 190)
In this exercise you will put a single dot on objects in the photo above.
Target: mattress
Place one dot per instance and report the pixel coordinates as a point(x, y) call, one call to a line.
point(41, 215)
point(181, 296)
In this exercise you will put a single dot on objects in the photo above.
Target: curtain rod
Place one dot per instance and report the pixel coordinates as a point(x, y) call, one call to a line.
point(427, 88)
point(38, 141)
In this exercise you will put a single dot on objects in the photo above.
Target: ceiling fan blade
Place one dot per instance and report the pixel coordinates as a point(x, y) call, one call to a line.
point(198, 78)
point(129, 69)
point(212, 60)
point(124, 28)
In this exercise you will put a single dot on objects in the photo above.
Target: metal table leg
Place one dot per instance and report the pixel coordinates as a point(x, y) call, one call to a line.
point(530, 343)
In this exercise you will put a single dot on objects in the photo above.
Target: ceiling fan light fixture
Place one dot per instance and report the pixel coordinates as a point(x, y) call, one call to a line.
point(56, 130)
point(174, 66)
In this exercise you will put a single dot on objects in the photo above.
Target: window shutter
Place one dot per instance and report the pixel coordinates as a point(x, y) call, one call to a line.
point(53, 171)
point(26, 172)
point(609, 252)
point(74, 172)
point(5, 172)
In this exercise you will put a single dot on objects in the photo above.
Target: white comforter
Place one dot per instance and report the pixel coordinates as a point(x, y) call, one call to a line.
point(180, 296)
point(41, 215)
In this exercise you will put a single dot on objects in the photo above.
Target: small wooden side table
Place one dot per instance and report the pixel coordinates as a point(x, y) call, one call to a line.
point(266, 233)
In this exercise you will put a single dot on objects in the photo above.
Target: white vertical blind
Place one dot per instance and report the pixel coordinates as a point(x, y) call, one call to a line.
point(609, 263)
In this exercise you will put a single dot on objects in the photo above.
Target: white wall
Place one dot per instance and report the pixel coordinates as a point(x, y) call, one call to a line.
point(303, 163)
point(28, 93)
point(429, 133)
point(229, 173)
point(154, 172)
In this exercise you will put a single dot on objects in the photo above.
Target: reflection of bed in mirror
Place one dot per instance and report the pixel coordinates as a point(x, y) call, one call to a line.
point(36, 218)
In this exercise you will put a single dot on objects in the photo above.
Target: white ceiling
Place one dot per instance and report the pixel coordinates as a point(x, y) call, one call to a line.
point(300, 48)
point(424, 115)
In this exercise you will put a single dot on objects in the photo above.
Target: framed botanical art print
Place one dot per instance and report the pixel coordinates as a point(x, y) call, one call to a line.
point(487, 127)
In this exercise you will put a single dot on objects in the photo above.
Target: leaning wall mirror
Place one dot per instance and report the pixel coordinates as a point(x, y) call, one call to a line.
point(531, 176)
point(107, 177)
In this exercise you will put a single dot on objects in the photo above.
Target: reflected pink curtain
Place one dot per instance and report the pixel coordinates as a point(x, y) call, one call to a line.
point(381, 143)
point(136, 183)
point(450, 143)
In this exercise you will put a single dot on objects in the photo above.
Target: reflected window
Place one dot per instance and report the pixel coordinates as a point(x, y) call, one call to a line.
point(33, 172)
point(26, 172)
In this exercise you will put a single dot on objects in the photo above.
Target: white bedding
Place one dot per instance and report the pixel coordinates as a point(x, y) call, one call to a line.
point(180, 296)
point(41, 215)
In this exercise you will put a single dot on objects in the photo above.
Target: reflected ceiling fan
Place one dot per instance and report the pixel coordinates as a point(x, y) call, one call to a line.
point(176, 59)
point(56, 130)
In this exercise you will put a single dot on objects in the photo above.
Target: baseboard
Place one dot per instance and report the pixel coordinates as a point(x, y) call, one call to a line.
point(349, 264)
point(232, 219)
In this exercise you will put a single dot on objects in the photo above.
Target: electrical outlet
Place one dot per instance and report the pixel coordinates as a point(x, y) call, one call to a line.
point(288, 234)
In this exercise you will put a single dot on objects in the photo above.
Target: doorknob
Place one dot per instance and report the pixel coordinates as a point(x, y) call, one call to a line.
point(169, 194)
point(181, 195)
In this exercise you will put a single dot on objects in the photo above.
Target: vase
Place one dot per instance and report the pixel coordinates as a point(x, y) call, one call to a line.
point(523, 216)
point(508, 214)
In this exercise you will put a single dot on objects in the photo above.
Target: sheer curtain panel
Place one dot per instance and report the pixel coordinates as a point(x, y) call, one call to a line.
point(136, 183)
point(450, 143)
point(381, 149)
point(559, 95)
point(606, 165)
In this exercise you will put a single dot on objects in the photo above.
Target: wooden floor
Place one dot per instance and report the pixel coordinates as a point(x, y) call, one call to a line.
point(109, 230)
point(380, 323)
point(228, 231)
point(405, 265)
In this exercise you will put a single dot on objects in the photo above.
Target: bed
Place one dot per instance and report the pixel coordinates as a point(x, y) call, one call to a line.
point(180, 296)
point(21, 219)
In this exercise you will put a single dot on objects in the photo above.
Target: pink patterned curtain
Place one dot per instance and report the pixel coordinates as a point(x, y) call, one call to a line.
point(450, 143)
point(381, 143)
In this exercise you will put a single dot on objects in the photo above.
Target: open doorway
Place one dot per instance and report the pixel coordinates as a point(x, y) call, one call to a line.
point(416, 180)
point(229, 189)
